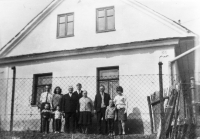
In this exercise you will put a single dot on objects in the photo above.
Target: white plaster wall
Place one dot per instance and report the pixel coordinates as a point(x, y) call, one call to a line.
point(132, 24)
point(134, 67)
point(5, 98)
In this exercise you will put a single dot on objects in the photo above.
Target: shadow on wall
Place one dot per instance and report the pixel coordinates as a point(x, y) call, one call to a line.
point(134, 122)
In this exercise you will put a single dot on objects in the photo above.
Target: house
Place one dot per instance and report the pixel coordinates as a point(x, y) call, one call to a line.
point(86, 41)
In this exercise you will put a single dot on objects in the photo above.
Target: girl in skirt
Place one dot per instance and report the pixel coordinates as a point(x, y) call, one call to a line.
point(58, 116)
point(111, 116)
point(121, 105)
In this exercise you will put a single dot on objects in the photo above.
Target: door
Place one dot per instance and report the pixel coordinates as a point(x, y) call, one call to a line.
point(108, 77)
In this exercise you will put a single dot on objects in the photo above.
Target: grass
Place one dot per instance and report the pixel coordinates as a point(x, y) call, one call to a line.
point(38, 135)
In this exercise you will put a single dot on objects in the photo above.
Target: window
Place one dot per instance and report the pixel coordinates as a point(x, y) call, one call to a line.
point(105, 19)
point(39, 82)
point(65, 25)
point(109, 77)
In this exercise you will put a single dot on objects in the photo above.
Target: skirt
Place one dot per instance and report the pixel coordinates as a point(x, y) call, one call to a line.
point(121, 115)
point(85, 118)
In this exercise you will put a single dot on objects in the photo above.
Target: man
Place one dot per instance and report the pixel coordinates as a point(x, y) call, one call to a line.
point(79, 92)
point(69, 105)
point(100, 103)
point(45, 98)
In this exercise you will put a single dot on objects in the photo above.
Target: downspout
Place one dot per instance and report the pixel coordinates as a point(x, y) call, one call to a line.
point(13, 98)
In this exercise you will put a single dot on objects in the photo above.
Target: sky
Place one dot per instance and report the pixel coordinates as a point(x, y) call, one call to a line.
point(15, 14)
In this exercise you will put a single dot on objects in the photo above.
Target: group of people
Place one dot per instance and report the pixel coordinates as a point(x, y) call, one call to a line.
point(78, 109)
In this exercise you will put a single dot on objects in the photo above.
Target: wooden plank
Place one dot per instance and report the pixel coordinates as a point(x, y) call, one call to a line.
point(170, 110)
point(156, 111)
point(158, 101)
point(174, 130)
point(150, 113)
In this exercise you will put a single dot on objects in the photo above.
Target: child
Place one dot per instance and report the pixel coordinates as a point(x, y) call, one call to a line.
point(46, 113)
point(58, 116)
point(110, 116)
point(121, 109)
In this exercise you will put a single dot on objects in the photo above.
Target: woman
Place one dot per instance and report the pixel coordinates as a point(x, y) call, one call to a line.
point(56, 102)
point(121, 105)
point(85, 112)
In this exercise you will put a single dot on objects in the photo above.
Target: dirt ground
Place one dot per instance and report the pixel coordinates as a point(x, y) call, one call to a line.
point(38, 135)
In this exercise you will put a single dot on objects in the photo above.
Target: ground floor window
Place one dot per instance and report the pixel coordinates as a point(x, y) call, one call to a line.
point(39, 82)
point(109, 77)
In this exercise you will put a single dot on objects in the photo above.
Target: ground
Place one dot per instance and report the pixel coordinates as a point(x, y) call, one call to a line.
point(38, 135)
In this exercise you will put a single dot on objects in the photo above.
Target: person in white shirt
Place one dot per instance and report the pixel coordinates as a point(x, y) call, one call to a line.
point(121, 104)
point(45, 98)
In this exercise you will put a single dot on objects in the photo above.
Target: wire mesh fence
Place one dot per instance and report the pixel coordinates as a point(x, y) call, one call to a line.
point(27, 93)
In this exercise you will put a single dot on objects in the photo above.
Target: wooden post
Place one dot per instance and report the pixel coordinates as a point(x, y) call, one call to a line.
point(175, 128)
point(150, 113)
point(162, 114)
point(193, 100)
point(12, 99)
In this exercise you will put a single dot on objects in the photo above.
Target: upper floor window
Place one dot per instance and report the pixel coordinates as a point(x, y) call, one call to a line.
point(65, 27)
point(105, 19)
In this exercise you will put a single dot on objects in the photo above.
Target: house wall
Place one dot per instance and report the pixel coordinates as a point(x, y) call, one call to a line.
point(132, 23)
point(71, 70)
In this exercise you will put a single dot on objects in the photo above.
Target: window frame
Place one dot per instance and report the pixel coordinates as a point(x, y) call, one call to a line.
point(106, 24)
point(58, 23)
point(34, 89)
point(105, 68)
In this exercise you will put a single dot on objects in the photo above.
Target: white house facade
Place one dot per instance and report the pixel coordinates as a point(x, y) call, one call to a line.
point(82, 40)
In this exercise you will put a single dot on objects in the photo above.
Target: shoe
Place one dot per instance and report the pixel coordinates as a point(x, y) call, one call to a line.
point(123, 133)
point(113, 133)
point(83, 132)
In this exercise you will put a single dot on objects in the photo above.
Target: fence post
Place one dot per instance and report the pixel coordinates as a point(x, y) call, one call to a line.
point(162, 114)
point(12, 99)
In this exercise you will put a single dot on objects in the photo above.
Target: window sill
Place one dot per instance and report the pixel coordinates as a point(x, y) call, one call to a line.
point(65, 37)
point(104, 31)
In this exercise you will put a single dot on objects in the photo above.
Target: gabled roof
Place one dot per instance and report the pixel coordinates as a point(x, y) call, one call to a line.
point(30, 26)
point(44, 13)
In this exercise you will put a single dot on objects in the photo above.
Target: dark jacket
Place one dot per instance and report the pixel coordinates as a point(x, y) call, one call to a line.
point(69, 104)
point(98, 100)
point(79, 95)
